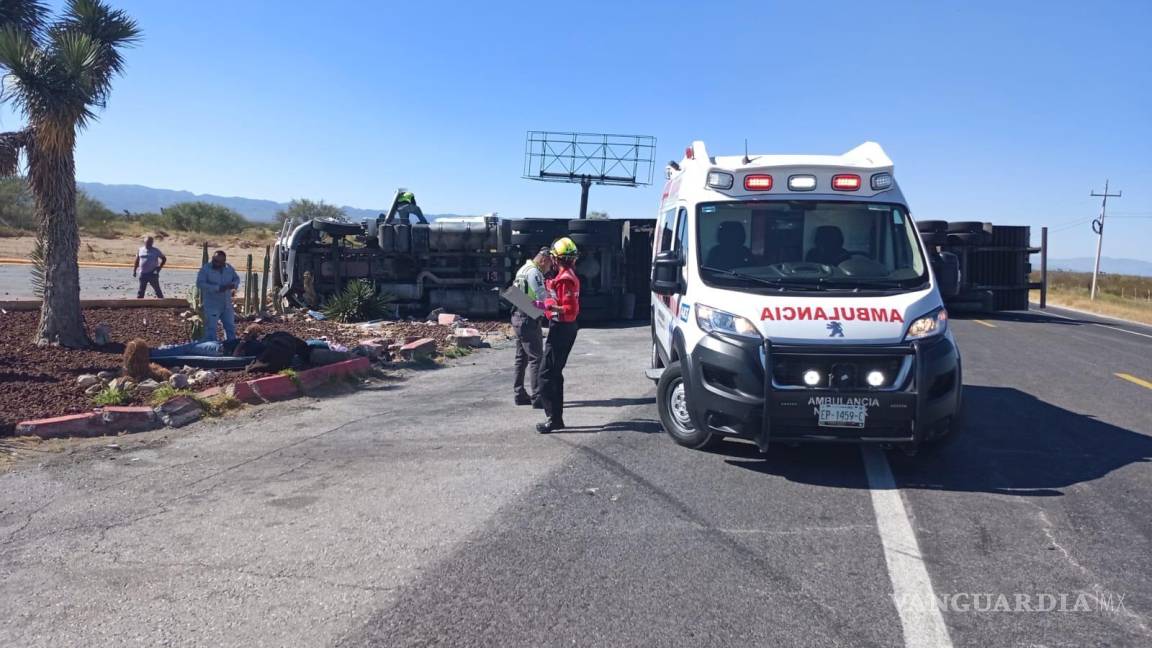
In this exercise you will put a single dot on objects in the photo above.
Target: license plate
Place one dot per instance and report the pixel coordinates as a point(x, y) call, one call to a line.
point(836, 415)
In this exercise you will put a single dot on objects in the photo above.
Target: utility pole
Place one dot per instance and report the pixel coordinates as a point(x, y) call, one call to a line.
point(1098, 227)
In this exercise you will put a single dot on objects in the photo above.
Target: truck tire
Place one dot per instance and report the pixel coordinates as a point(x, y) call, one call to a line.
point(934, 238)
point(965, 227)
point(672, 404)
point(966, 238)
point(589, 239)
point(930, 226)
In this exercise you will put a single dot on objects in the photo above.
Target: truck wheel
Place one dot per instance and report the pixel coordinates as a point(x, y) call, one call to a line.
point(672, 403)
point(965, 227)
point(932, 226)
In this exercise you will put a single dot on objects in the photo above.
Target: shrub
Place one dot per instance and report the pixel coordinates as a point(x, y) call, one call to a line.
point(110, 395)
point(358, 302)
point(202, 217)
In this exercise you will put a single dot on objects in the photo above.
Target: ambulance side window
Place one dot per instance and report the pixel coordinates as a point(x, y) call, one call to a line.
point(666, 232)
point(682, 233)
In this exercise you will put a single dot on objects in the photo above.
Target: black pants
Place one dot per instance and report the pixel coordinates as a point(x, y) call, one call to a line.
point(561, 337)
point(150, 279)
point(529, 351)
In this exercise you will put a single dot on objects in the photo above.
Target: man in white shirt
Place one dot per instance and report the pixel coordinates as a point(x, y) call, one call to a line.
point(149, 262)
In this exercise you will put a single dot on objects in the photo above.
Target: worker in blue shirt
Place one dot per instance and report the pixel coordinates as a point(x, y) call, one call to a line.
point(217, 282)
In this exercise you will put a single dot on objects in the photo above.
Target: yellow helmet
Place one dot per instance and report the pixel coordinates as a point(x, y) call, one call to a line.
point(564, 247)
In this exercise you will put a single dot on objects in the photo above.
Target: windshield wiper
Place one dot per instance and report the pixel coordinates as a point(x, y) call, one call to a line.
point(781, 283)
point(878, 284)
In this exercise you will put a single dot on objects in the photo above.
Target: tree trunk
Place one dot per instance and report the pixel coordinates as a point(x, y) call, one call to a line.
point(52, 175)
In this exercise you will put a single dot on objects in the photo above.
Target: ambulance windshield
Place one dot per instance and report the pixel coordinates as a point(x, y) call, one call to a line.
point(809, 245)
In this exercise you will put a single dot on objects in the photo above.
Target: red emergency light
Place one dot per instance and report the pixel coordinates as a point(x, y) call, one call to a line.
point(758, 182)
point(846, 182)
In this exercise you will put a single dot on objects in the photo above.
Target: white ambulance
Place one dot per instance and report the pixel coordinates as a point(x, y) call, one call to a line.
point(794, 301)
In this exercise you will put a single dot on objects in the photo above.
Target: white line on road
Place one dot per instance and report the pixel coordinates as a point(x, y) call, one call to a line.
point(1110, 327)
point(911, 587)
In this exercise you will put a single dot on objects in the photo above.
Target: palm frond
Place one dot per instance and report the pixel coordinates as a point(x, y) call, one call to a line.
point(29, 16)
point(111, 29)
point(10, 146)
point(36, 271)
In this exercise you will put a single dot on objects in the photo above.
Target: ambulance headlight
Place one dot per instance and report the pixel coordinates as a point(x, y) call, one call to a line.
point(812, 377)
point(720, 180)
point(711, 320)
point(934, 323)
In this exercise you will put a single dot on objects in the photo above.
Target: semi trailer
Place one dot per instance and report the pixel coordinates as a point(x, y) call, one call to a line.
point(461, 264)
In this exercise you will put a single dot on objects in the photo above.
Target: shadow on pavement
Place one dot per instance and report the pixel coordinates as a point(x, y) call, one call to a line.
point(612, 402)
point(643, 426)
point(1012, 444)
point(1025, 317)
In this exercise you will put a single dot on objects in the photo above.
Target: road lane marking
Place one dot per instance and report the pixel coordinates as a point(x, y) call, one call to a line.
point(912, 592)
point(1110, 327)
point(1133, 379)
point(988, 324)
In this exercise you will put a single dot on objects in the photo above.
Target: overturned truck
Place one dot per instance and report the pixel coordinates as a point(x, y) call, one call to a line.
point(461, 264)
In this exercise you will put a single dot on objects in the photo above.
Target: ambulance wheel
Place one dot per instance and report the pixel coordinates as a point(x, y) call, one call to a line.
point(672, 404)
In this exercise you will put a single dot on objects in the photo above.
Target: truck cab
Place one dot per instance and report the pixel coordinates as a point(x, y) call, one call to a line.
point(794, 301)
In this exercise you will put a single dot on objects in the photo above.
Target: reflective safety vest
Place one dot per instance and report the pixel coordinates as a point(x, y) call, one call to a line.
point(530, 279)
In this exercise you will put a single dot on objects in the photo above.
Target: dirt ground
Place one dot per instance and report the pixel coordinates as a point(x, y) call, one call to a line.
point(182, 249)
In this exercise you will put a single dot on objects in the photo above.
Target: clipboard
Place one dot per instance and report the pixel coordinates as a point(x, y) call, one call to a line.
point(522, 302)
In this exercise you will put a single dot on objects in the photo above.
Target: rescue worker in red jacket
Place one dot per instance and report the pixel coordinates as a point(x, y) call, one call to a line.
point(563, 307)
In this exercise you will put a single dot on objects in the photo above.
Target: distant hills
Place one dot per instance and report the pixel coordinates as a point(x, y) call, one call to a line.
point(1110, 265)
point(139, 199)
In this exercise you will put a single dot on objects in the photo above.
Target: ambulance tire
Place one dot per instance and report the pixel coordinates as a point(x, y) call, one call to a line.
point(931, 226)
point(671, 403)
point(955, 425)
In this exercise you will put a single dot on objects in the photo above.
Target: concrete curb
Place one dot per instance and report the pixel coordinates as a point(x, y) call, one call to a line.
point(108, 420)
point(111, 420)
point(310, 379)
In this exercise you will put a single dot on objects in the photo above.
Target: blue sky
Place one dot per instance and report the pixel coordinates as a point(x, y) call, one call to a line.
point(1004, 111)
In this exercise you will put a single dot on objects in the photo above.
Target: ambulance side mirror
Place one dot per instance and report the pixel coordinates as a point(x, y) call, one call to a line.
point(666, 275)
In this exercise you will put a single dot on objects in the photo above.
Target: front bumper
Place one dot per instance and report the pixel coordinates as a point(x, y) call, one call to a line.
point(732, 391)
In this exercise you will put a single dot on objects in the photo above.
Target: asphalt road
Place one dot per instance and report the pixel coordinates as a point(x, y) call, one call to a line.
point(426, 512)
point(97, 283)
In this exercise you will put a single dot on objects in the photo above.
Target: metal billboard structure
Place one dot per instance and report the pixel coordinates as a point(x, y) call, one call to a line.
point(589, 158)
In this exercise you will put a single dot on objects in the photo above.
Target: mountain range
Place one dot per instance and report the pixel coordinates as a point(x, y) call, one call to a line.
point(139, 199)
point(1110, 265)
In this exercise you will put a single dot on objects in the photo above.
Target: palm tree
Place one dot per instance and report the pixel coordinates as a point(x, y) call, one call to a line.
point(57, 74)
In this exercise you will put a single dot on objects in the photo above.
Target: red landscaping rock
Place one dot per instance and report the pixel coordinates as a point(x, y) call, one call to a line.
point(62, 426)
point(420, 348)
point(446, 319)
point(312, 378)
